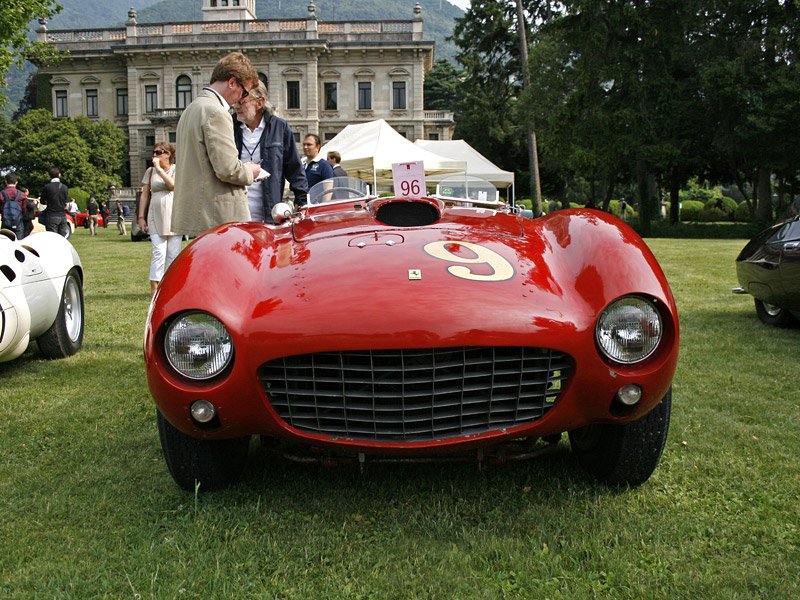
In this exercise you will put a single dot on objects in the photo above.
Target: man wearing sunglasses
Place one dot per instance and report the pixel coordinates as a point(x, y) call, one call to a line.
point(210, 179)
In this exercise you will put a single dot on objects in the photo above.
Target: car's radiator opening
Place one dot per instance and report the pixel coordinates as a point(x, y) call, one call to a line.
point(413, 395)
point(407, 214)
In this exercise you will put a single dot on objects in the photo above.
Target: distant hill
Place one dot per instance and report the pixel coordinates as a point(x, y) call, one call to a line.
point(96, 13)
point(438, 16)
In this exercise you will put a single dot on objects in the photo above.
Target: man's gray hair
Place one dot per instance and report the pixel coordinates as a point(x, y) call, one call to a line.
point(260, 91)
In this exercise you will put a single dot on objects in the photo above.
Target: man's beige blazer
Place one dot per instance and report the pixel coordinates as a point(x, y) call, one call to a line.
point(210, 179)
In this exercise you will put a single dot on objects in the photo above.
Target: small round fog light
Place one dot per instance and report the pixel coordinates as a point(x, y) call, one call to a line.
point(203, 411)
point(629, 394)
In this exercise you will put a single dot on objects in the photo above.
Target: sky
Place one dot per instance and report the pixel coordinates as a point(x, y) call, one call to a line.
point(462, 4)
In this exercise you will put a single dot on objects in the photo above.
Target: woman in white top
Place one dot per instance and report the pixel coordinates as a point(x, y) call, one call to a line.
point(155, 211)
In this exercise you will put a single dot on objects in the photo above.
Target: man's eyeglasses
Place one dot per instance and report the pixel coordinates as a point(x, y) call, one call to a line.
point(159, 152)
point(245, 93)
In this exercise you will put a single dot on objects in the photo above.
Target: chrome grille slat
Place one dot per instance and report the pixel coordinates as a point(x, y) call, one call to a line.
point(415, 395)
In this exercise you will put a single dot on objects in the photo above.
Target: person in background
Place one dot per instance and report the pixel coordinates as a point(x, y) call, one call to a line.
point(335, 159)
point(120, 217)
point(105, 212)
point(12, 206)
point(317, 168)
point(31, 206)
point(72, 210)
point(54, 196)
point(155, 211)
point(93, 209)
point(263, 138)
point(211, 180)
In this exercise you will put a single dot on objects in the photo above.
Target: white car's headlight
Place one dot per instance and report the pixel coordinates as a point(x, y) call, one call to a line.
point(198, 345)
point(629, 330)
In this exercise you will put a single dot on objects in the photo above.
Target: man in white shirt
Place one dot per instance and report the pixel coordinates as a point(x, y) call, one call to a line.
point(268, 140)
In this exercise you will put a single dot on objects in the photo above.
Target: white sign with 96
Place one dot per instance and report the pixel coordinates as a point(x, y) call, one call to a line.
point(409, 179)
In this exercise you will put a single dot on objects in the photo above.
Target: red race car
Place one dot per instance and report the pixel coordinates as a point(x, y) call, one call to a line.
point(368, 328)
point(81, 218)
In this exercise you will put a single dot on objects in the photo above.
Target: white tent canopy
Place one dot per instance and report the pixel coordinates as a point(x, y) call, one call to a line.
point(369, 149)
point(477, 164)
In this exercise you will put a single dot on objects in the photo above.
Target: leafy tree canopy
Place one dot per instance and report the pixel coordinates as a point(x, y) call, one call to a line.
point(15, 45)
point(640, 93)
point(441, 86)
point(90, 154)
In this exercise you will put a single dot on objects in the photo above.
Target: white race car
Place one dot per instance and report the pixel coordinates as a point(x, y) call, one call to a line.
point(41, 295)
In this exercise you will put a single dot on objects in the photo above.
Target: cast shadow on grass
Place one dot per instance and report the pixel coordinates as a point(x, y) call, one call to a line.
point(542, 479)
point(735, 320)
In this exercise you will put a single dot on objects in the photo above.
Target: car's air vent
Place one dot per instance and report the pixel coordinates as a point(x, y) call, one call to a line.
point(19, 255)
point(407, 214)
point(415, 395)
point(8, 272)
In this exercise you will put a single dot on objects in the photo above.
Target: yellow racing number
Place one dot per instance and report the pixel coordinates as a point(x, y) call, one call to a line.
point(501, 268)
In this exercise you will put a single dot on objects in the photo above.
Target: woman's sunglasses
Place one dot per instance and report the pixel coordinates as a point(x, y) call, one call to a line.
point(159, 152)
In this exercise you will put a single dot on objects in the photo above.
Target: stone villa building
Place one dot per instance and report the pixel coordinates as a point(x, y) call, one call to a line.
point(321, 76)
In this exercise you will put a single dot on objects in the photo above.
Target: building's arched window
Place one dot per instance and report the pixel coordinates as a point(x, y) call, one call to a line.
point(183, 91)
point(264, 79)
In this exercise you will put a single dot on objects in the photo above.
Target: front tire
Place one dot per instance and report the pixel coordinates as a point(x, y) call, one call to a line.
point(769, 314)
point(65, 336)
point(624, 455)
point(211, 464)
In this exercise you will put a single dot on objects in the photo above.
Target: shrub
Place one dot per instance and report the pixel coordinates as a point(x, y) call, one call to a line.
point(527, 203)
point(742, 213)
point(712, 214)
point(695, 192)
point(630, 212)
point(690, 210)
point(726, 205)
point(81, 196)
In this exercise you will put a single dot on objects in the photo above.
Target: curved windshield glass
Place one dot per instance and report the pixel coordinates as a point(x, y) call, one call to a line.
point(338, 189)
point(468, 187)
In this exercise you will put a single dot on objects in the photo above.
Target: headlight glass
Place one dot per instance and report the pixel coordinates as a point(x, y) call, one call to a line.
point(629, 330)
point(198, 345)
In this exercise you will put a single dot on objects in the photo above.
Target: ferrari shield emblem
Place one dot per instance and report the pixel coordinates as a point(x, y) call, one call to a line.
point(414, 274)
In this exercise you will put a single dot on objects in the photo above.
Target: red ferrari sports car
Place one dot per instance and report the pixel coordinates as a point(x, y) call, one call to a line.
point(81, 219)
point(370, 328)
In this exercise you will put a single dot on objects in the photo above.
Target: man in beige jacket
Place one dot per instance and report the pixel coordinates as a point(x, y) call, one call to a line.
point(210, 179)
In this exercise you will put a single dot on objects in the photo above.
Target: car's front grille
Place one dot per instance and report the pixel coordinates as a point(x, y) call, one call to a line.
point(415, 395)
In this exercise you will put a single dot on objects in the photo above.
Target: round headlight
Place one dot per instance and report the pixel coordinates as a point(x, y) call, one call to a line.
point(198, 345)
point(628, 330)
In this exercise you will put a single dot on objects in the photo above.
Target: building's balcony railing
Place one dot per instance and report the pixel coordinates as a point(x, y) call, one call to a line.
point(209, 31)
point(438, 115)
point(165, 113)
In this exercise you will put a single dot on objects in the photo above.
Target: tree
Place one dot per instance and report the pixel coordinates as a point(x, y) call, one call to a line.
point(441, 86)
point(90, 154)
point(488, 116)
point(15, 45)
point(752, 87)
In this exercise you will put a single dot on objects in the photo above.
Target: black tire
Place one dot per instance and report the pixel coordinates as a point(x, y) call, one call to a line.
point(624, 455)
point(65, 336)
point(213, 464)
point(769, 314)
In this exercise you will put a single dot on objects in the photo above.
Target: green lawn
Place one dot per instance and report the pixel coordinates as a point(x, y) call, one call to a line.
point(89, 510)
